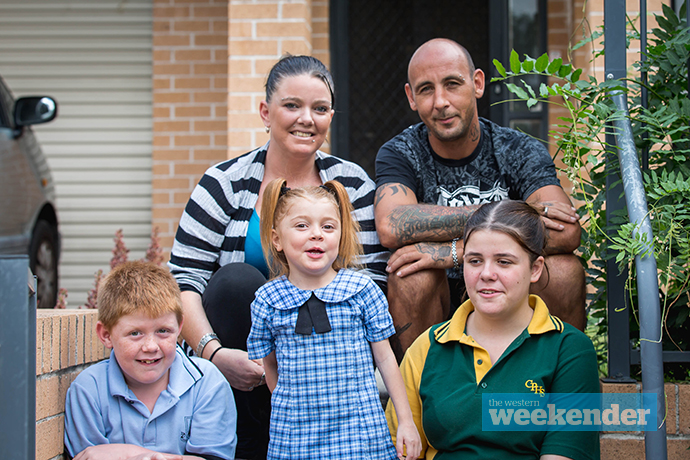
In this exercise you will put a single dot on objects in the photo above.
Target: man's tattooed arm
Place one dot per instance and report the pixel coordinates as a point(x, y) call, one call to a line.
point(401, 220)
point(389, 190)
point(416, 223)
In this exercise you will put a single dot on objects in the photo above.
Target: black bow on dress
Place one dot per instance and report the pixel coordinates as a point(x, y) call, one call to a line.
point(312, 315)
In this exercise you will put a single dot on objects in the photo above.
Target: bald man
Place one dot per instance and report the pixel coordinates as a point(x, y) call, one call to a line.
point(433, 175)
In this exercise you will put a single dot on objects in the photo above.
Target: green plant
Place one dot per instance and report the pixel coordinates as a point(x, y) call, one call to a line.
point(662, 129)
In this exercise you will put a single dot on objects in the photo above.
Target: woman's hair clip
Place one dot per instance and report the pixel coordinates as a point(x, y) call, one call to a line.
point(284, 189)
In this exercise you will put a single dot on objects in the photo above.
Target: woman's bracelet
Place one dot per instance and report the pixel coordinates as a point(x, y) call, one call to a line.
point(210, 358)
point(454, 253)
point(205, 339)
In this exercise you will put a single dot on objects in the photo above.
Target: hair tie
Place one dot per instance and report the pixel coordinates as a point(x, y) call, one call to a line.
point(333, 193)
point(284, 189)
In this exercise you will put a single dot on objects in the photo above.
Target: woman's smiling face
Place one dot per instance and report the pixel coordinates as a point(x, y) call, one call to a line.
point(299, 114)
point(498, 273)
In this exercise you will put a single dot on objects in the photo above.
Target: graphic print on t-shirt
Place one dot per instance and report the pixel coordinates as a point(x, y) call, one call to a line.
point(467, 195)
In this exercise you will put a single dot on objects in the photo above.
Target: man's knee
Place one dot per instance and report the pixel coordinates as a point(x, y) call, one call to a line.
point(418, 292)
point(416, 302)
point(566, 272)
point(563, 289)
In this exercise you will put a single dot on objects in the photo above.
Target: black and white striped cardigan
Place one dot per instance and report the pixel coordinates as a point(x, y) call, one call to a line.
point(214, 224)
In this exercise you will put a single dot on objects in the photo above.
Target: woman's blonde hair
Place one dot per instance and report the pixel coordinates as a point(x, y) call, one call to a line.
point(278, 200)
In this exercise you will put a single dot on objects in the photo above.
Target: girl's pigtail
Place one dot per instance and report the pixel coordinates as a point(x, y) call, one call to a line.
point(350, 247)
point(277, 264)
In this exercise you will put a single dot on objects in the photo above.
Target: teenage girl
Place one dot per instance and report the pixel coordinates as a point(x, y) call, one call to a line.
point(316, 327)
point(501, 340)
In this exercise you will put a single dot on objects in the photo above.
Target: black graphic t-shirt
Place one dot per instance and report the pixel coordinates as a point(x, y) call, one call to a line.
point(505, 165)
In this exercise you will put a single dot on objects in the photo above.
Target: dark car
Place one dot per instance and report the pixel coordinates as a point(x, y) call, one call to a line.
point(28, 217)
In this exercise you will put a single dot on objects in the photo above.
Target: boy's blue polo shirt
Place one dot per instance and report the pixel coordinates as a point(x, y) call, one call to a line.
point(195, 414)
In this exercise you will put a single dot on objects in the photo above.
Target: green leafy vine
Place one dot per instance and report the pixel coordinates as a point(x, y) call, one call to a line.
point(662, 129)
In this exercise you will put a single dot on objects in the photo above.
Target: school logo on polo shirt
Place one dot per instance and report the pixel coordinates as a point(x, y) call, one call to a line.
point(184, 435)
point(534, 387)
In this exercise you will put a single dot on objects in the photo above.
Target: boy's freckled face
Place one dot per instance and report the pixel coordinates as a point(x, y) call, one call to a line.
point(144, 347)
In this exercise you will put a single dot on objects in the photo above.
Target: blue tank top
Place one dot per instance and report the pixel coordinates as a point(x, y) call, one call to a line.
point(253, 253)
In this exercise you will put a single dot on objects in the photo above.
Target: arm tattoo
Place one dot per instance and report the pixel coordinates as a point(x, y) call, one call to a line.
point(438, 252)
point(415, 223)
point(393, 188)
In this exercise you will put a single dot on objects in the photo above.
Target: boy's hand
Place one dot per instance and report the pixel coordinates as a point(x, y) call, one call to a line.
point(156, 456)
point(109, 452)
point(113, 452)
point(409, 437)
point(125, 452)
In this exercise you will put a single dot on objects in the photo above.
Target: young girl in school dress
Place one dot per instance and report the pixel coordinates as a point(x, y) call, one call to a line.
point(316, 327)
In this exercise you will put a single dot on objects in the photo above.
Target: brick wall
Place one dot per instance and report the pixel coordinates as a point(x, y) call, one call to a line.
point(630, 446)
point(563, 19)
point(596, 20)
point(210, 60)
point(569, 21)
point(260, 33)
point(190, 96)
point(66, 344)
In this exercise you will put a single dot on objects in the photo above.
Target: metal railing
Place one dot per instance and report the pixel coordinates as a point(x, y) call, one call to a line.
point(621, 351)
point(647, 281)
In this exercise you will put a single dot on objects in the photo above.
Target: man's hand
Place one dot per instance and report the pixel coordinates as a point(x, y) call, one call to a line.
point(555, 214)
point(242, 373)
point(560, 218)
point(421, 256)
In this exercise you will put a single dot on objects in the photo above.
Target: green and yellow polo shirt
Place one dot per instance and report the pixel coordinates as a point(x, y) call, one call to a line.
point(446, 372)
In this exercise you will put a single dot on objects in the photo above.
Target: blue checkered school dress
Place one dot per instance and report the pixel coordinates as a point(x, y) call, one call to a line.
point(326, 404)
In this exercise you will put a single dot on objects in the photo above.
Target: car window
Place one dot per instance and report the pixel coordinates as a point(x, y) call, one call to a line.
point(6, 102)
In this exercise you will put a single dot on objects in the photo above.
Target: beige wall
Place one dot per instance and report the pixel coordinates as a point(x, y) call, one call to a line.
point(260, 33)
